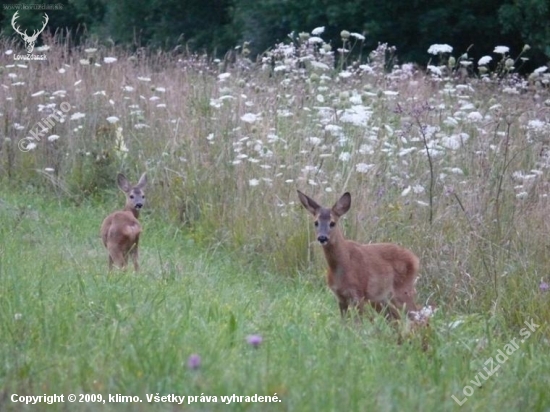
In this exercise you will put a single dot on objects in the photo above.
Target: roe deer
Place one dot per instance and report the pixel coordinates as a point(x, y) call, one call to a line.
point(382, 274)
point(120, 230)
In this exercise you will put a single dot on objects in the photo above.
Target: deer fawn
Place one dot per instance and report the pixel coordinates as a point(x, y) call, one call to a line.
point(120, 230)
point(381, 274)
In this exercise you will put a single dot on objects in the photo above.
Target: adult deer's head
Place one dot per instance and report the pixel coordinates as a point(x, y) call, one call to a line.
point(29, 40)
point(326, 219)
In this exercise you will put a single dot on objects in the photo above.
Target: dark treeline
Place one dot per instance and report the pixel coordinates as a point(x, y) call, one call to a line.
point(217, 26)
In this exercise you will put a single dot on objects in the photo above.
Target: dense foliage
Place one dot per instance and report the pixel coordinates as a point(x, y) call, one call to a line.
point(219, 25)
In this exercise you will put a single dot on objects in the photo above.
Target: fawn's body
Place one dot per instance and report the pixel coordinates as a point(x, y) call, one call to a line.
point(381, 274)
point(120, 230)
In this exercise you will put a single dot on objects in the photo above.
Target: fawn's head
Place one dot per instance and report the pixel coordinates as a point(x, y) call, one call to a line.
point(135, 196)
point(325, 219)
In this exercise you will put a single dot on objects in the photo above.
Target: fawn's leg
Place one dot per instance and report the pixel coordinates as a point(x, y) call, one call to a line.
point(135, 258)
point(117, 256)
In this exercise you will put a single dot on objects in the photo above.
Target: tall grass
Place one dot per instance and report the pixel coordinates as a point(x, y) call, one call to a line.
point(69, 328)
point(454, 168)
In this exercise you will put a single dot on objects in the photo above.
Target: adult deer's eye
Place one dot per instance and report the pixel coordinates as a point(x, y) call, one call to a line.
point(131, 196)
point(316, 223)
point(332, 224)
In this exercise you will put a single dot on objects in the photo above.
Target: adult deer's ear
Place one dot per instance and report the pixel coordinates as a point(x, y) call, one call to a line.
point(342, 205)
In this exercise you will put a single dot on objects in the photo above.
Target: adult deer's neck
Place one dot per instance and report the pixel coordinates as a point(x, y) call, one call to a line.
point(335, 251)
point(133, 211)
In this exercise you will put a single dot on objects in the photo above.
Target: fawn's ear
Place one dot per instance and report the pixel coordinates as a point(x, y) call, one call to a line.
point(342, 205)
point(142, 181)
point(311, 205)
point(123, 183)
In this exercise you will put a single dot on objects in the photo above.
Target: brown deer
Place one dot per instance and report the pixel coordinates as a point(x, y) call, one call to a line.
point(382, 274)
point(120, 230)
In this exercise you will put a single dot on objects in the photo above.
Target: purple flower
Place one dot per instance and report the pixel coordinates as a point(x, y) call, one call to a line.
point(254, 340)
point(194, 361)
point(544, 286)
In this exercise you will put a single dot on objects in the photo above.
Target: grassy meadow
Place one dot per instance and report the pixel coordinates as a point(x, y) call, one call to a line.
point(451, 162)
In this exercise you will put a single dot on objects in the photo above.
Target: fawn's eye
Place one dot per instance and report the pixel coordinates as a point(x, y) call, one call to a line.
point(332, 224)
point(143, 196)
point(131, 196)
point(316, 223)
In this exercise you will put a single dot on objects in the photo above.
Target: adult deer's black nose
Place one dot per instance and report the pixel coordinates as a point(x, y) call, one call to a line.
point(139, 205)
point(322, 239)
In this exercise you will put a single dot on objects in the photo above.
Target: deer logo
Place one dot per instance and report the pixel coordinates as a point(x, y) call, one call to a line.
point(29, 40)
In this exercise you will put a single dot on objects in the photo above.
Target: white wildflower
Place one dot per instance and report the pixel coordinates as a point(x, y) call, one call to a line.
point(366, 68)
point(440, 48)
point(484, 60)
point(455, 141)
point(53, 138)
point(249, 118)
point(253, 182)
point(344, 156)
point(417, 189)
point(319, 65)
point(314, 40)
point(77, 115)
point(537, 125)
point(318, 30)
point(109, 60)
point(363, 167)
point(475, 116)
point(406, 151)
point(520, 195)
point(501, 50)
point(112, 119)
point(357, 115)
point(435, 70)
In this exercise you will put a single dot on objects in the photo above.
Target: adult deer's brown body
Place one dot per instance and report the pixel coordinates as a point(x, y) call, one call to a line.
point(382, 274)
point(120, 230)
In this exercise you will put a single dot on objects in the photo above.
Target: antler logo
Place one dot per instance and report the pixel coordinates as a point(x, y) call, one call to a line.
point(29, 40)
